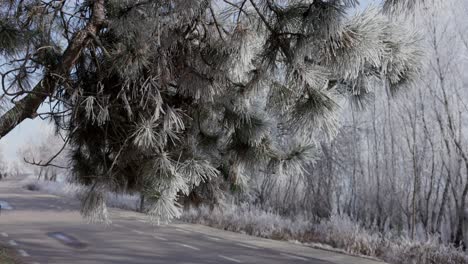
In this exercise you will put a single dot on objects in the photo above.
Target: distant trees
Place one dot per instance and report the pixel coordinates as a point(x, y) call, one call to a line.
point(4, 169)
point(399, 165)
point(45, 159)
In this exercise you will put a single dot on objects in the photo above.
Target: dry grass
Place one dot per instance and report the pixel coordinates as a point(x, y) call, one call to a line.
point(8, 256)
point(338, 232)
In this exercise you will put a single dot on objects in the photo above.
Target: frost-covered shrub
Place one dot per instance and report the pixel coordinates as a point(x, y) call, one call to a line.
point(122, 201)
point(403, 251)
point(249, 220)
point(339, 232)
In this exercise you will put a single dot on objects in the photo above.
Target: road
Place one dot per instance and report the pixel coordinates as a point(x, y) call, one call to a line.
point(48, 229)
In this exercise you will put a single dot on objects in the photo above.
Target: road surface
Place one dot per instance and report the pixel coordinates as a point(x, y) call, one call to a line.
point(47, 229)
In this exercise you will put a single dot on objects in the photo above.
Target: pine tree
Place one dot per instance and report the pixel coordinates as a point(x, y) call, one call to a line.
point(172, 98)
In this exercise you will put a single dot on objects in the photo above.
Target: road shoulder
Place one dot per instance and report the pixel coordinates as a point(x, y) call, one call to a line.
point(281, 246)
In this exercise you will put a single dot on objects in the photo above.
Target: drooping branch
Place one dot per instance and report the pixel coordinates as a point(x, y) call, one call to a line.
point(28, 105)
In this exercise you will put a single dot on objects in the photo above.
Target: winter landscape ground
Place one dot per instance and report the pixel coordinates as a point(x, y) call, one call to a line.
point(44, 228)
point(339, 234)
point(245, 131)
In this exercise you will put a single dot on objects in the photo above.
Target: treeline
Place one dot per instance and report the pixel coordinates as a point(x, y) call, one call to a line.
point(400, 165)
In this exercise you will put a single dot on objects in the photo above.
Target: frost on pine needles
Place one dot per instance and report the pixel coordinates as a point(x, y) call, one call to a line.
point(187, 98)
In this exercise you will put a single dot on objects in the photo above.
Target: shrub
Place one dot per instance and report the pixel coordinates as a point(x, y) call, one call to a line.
point(339, 232)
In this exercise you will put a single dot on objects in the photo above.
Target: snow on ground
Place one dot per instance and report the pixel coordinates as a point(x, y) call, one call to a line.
point(72, 190)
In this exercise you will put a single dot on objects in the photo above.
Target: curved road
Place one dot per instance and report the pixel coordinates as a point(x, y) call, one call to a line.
point(48, 229)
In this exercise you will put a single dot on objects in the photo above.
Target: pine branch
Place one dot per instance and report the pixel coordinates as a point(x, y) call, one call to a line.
point(28, 105)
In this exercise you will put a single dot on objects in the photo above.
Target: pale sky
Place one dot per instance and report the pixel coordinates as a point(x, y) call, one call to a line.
point(32, 131)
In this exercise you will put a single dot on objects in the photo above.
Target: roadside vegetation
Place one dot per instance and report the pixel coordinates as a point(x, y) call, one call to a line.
point(7, 256)
point(338, 233)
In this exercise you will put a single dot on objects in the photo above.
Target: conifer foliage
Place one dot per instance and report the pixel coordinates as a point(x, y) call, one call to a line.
point(172, 98)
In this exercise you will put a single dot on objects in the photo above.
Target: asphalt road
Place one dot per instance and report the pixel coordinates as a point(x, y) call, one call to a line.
point(48, 229)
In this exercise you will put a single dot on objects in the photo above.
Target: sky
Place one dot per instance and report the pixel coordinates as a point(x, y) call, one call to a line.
point(30, 131)
point(35, 131)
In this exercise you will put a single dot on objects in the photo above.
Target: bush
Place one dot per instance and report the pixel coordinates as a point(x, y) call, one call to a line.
point(339, 232)
point(244, 219)
point(404, 251)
